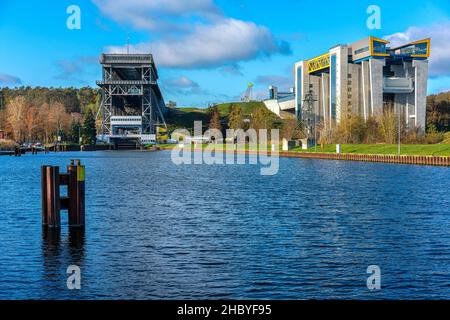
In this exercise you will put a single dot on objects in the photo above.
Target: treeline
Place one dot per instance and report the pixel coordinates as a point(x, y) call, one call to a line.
point(382, 128)
point(43, 114)
point(438, 111)
point(260, 118)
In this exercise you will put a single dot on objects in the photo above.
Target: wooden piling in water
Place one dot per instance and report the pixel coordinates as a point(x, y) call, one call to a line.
point(53, 202)
point(53, 199)
point(80, 194)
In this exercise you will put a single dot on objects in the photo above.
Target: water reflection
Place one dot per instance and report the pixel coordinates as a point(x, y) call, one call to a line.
point(51, 242)
point(59, 252)
point(76, 241)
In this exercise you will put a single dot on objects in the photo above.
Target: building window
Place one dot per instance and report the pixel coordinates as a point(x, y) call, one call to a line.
point(361, 50)
point(379, 47)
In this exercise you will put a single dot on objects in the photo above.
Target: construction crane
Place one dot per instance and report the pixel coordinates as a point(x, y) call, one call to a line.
point(248, 93)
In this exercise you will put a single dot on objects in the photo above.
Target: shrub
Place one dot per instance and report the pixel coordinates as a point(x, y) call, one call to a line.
point(433, 135)
point(7, 144)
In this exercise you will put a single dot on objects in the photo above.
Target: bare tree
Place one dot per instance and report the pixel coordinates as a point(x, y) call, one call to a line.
point(388, 125)
point(15, 113)
point(31, 122)
point(46, 120)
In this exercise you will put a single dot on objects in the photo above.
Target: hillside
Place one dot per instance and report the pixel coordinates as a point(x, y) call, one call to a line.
point(185, 117)
point(247, 107)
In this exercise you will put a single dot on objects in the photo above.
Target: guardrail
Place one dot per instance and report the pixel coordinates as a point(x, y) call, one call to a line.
point(402, 159)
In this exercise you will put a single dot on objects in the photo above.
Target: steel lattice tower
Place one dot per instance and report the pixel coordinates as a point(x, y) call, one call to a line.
point(129, 88)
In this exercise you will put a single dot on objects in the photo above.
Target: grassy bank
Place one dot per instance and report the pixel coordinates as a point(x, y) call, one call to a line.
point(407, 149)
point(384, 149)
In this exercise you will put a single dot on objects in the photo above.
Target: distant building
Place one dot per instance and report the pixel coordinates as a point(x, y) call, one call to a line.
point(171, 104)
point(362, 78)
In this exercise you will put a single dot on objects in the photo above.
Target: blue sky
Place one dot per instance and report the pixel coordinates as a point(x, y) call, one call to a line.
point(207, 51)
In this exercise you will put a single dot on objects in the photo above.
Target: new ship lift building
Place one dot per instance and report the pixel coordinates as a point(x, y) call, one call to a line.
point(365, 78)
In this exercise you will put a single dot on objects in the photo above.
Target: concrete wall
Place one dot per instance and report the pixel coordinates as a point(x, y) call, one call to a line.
point(354, 89)
point(325, 97)
point(360, 45)
point(421, 79)
point(365, 90)
point(315, 84)
point(376, 85)
point(341, 79)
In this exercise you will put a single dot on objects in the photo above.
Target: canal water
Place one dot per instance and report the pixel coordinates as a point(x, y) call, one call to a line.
point(160, 231)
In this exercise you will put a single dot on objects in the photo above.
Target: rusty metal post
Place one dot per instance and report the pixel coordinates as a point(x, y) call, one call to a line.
point(72, 193)
point(81, 194)
point(53, 198)
point(44, 191)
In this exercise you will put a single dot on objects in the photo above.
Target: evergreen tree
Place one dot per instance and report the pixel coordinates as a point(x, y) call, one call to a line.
point(75, 131)
point(89, 131)
point(214, 123)
point(235, 118)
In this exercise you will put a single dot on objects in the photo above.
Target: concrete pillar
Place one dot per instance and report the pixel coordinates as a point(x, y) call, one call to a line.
point(420, 90)
point(354, 89)
point(376, 85)
point(301, 84)
point(365, 86)
point(341, 53)
point(315, 86)
point(325, 97)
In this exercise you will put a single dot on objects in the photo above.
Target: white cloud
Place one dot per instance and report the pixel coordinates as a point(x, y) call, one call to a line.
point(192, 34)
point(222, 43)
point(6, 79)
point(181, 82)
point(182, 86)
point(156, 14)
point(440, 45)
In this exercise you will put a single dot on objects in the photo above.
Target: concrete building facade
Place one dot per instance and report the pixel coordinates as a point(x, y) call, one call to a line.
point(365, 78)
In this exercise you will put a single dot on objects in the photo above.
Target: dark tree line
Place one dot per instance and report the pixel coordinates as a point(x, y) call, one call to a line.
point(438, 111)
point(74, 100)
point(44, 114)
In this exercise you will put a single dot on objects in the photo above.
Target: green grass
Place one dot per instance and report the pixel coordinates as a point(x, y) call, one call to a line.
point(247, 107)
point(406, 149)
point(410, 149)
point(185, 117)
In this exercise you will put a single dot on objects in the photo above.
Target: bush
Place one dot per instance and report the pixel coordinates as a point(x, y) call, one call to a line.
point(351, 129)
point(433, 135)
point(7, 145)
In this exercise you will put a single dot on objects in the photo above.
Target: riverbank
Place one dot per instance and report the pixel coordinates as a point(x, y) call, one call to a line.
point(359, 153)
